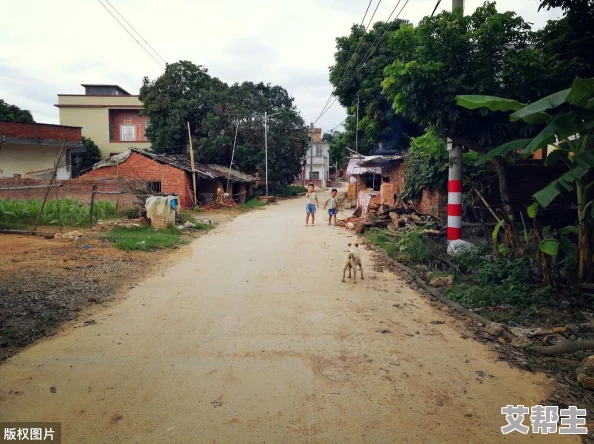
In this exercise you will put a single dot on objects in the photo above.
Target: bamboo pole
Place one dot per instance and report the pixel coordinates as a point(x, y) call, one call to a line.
point(49, 186)
point(30, 187)
point(192, 164)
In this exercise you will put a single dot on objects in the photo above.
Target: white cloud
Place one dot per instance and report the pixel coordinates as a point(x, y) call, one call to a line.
point(59, 44)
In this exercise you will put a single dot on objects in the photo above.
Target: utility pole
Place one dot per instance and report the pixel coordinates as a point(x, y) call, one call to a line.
point(311, 130)
point(357, 131)
point(266, 147)
point(192, 165)
point(455, 177)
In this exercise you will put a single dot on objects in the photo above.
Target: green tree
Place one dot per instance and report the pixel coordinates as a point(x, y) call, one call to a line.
point(449, 54)
point(377, 120)
point(215, 110)
point(568, 43)
point(338, 149)
point(13, 113)
point(183, 93)
point(82, 162)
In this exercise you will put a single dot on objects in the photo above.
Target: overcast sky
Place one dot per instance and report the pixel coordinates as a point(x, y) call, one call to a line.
point(49, 47)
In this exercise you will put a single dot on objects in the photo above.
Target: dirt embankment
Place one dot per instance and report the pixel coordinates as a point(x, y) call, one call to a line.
point(46, 282)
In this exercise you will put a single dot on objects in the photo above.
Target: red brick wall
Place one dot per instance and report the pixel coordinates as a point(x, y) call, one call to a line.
point(70, 189)
point(40, 131)
point(128, 117)
point(137, 166)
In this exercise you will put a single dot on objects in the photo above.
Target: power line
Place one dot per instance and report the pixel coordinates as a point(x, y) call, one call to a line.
point(371, 19)
point(337, 125)
point(128, 23)
point(348, 57)
point(375, 44)
point(129, 33)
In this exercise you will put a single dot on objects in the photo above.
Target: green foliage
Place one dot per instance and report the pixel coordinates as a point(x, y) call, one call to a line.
point(568, 43)
point(144, 238)
point(65, 212)
point(82, 162)
point(252, 204)
point(187, 93)
point(427, 165)
point(377, 121)
point(451, 54)
point(338, 149)
point(13, 113)
point(573, 124)
point(495, 282)
point(202, 226)
point(292, 190)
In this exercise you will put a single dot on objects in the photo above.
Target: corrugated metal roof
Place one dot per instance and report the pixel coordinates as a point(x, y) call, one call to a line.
point(354, 167)
point(379, 161)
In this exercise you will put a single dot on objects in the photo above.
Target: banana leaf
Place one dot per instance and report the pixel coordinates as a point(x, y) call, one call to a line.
point(538, 107)
point(502, 150)
point(549, 246)
point(581, 93)
point(545, 196)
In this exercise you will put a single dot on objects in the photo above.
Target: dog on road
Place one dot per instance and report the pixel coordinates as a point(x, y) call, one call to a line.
point(352, 260)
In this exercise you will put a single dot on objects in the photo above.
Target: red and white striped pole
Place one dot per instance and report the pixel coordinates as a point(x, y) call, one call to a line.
point(455, 177)
point(455, 192)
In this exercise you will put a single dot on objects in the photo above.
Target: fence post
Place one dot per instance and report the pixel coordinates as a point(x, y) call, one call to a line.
point(92, 204)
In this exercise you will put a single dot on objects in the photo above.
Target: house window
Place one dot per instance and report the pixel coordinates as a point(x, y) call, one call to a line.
point(154, 187)
point(127, 133)
point(111, 135)
point(146, 123)
point(314, 175)
point(319, 151)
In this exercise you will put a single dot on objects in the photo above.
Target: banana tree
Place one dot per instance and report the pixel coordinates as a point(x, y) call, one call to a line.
point(568, 120)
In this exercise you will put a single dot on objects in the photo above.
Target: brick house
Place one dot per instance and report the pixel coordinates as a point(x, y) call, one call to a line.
point(30, 150)
point(172, 174)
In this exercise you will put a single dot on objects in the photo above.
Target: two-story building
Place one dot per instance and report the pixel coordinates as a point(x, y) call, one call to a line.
point(109, 115)
point(317, 164)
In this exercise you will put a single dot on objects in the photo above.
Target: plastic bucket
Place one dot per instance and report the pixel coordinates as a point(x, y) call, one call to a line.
point(206, 198)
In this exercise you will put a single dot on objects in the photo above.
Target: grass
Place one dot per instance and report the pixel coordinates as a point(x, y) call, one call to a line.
point(144, 238)
point(64, 212)
point(252, 204)
point(202, 226)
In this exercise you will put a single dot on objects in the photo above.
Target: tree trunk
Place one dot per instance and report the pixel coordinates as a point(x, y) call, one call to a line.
point(501, 167)
point(511, 229)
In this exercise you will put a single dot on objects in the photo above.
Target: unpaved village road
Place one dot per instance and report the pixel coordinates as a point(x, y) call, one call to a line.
point(252, 338)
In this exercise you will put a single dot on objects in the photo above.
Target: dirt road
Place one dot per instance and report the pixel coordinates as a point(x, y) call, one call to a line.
point(252, 338)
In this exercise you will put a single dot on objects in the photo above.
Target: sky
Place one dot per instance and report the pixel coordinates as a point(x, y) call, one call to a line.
point(50, 47)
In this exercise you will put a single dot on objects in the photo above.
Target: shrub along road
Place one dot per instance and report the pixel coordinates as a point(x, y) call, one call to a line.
point(253, 338)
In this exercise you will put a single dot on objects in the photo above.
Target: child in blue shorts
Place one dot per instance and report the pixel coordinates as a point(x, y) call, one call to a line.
point(332, 205)
point(312, 203)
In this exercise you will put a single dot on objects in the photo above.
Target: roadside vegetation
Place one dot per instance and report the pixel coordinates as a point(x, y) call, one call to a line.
point(18, 214)
point(144, 238)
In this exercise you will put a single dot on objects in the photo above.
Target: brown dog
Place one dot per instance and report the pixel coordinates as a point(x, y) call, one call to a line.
point(353, 259)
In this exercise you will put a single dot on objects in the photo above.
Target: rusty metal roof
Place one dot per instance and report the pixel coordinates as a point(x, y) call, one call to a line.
point(206, 171)
point(354, 168)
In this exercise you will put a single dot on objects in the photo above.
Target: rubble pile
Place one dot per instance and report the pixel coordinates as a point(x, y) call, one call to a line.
point(394, 219)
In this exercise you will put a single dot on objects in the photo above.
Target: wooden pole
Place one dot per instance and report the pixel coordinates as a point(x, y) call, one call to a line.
point(49, 186)
point(118, 187)
point(92, 204)
point(192, 163)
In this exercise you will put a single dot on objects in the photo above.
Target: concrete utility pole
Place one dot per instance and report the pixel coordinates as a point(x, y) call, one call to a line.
point(266, 147)
point(357, 131)
point(455, 177)
point(311, 128)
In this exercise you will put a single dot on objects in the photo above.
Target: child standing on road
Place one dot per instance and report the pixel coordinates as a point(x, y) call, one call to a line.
point(312, 203)
point(332, 205)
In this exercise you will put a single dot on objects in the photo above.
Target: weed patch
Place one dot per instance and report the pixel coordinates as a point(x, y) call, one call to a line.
point(144, 238)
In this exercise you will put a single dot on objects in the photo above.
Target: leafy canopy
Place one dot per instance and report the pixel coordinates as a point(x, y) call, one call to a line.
point(487, 53)
point(13, 113)
point(215, 110)
point(377, 120)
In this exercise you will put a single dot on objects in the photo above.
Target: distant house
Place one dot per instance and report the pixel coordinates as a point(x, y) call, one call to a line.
point(109, 115)
point(30, 150)
point(172, 174)
point(317, 162)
